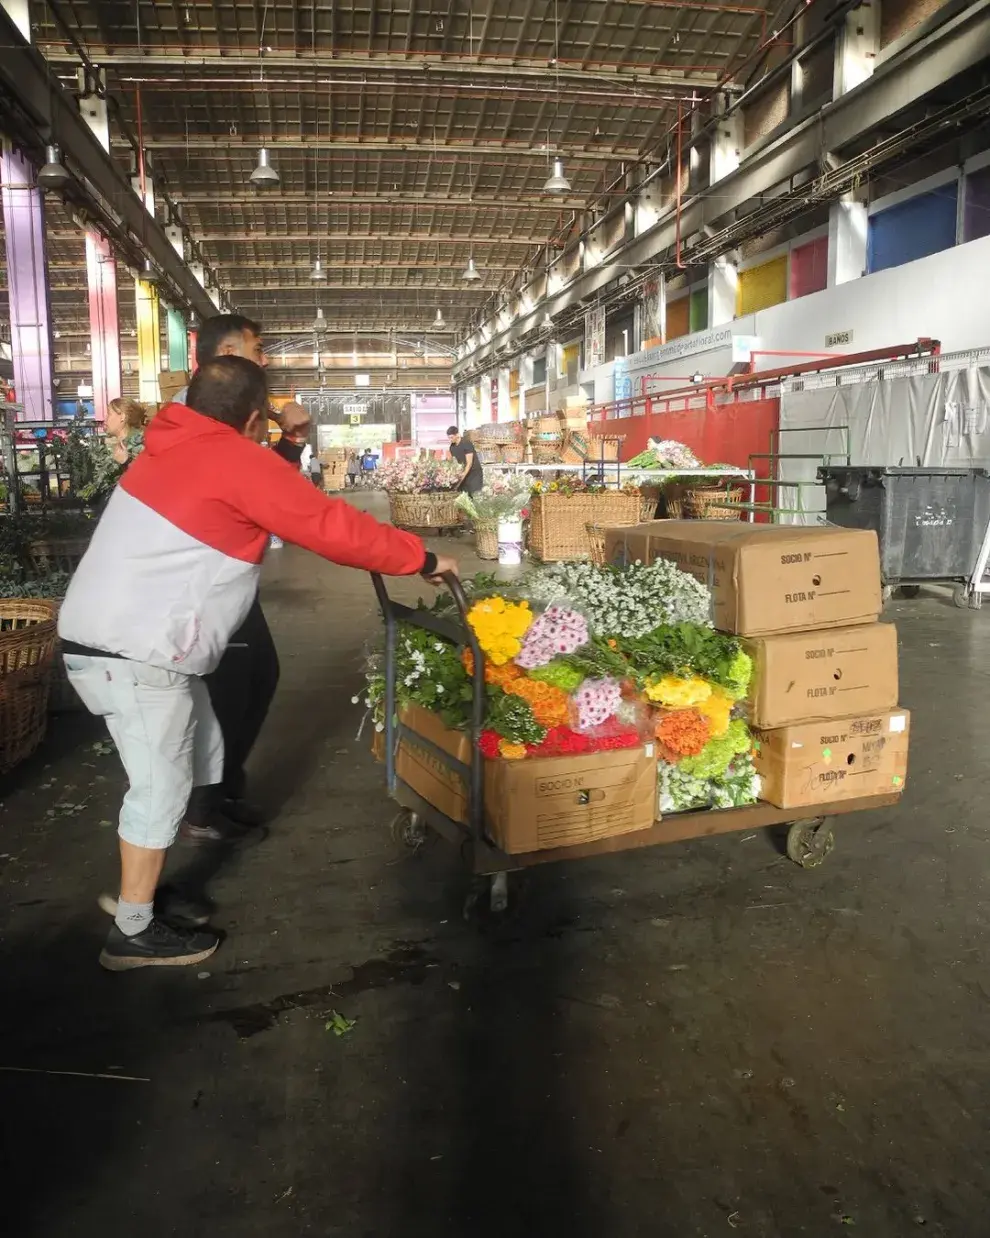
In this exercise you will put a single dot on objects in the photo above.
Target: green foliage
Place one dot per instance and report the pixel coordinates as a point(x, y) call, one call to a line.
point(560, 674)
point(717, 755)
point(511, 717)
point(429, 672)
point(685, 649)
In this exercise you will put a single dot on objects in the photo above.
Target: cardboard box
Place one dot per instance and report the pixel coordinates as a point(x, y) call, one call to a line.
point(171, 381)
point(765, 578)
point(829, 673)
point(842, 759)
point(536, 804)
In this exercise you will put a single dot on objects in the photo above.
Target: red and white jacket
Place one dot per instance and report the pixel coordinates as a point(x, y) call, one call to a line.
point(173, 566)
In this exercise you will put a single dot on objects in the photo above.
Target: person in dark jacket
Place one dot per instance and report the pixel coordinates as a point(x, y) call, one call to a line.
point(243, 685)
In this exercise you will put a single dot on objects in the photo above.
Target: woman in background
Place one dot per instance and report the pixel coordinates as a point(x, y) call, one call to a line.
point(125, 423)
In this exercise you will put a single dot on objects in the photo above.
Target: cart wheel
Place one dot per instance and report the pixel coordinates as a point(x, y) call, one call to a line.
point(809, 842)
point(888, 593)
point(910, 591)
point(960, 596)
point(499, 893)
point(409, 829)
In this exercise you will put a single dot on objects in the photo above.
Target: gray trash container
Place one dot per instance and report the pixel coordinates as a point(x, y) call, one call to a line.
point(929, 521)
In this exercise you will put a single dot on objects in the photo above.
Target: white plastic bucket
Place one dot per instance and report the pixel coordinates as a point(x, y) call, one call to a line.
point(510, 542)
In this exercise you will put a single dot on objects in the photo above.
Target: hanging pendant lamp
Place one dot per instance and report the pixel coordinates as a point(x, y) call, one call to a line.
point(557, 182)
point(264, 175)
point(470, 272)
point(318, 274)
point(54, 174)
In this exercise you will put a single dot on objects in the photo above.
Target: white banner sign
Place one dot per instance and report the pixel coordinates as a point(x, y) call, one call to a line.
point(594, 338)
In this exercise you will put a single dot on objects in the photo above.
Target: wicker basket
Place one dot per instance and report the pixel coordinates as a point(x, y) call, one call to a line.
point(546, 453)
point(56, 554)
point(558, 527)
point(486, 538)
point(27, 646)
point(673, 501)
point(437, 510)
point(488, 453)
point(596, 543)
point(648, 501)
point(512, 453)
point(704, 504)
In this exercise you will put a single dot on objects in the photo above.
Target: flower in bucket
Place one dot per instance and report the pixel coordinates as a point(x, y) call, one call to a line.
point(503, 496)
point(500, 626)
point(560, 630)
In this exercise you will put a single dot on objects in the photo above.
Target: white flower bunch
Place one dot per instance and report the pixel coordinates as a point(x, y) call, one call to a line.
point(628, 601)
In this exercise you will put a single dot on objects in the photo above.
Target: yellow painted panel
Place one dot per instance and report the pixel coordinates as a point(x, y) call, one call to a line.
point(149, 342)
point(678, 318)
point(762, 286)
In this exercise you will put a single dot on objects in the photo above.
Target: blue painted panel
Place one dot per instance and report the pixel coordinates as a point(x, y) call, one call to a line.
point(913, 229)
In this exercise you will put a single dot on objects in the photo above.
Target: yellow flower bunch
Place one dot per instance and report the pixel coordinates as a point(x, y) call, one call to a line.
point(500, 626)
point(511, 752)
point(675, 693)
point(717, 708)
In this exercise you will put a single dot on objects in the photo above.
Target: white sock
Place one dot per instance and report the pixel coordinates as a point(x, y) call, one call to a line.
point(133, 918)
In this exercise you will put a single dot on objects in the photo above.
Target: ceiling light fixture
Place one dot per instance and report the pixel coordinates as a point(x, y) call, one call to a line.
point(264, 175)
point(318, 274)
point(439, 322)
point(320, 323)
point(470, 272)
point(557, 182)
point(54, 175)
point(195, 322)
point(148, 273)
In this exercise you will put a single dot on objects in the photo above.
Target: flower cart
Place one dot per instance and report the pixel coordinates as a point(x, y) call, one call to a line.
point(525, 748)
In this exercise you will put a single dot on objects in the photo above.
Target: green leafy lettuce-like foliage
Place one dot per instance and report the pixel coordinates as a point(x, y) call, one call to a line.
point(685, 649)
point(560, 674)
point(511, 717)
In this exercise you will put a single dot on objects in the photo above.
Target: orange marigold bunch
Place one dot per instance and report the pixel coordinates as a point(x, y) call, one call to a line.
point(500, 676)
point(550, 705)
point(683, 731)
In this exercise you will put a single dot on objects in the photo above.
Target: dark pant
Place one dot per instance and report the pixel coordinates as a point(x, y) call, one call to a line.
point(241, 691)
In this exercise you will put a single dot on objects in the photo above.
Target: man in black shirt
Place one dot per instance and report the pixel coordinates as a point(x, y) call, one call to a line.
point(462, 450)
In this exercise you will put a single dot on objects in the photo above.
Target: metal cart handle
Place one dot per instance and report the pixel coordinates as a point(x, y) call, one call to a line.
point(460, 633)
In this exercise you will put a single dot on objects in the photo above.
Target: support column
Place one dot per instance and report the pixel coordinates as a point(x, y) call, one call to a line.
point(27, 285)
point(178, 341)
point(848, 228)
point(857, 44)
point(104, 327)
point(726, 143)
point(148, 342)
point(723, 278)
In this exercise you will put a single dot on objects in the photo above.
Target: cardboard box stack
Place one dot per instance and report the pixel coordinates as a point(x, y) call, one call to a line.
point(170, 382)
point(806, 602)
point(334, 461)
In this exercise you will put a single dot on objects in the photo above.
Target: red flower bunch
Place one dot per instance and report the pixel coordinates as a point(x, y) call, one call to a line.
point(684, 732)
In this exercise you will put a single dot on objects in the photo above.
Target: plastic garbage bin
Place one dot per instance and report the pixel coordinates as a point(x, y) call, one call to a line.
point(929, 521)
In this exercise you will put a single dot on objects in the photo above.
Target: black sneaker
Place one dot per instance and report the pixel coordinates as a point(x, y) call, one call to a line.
point(219, 830)
point(159, 945)
point(243, 812)
point(172, 905)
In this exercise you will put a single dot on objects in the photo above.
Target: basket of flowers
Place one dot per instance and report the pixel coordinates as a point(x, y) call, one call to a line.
point(504, 496)
point(562, 510)
point(422, 494)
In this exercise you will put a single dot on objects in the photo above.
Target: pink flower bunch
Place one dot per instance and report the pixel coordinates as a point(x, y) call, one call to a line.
point(597, 700)
point(558, 631)
point(418, 476)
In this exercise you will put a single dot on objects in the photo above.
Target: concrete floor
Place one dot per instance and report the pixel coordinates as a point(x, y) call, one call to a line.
point(676, 1043)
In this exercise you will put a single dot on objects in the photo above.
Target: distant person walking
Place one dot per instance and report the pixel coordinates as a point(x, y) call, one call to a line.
point(462, 450)
point(353, 468)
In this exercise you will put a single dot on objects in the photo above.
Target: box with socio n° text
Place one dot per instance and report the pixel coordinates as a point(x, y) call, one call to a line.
point(839, 759)
point(765, 578)
point(538, 804)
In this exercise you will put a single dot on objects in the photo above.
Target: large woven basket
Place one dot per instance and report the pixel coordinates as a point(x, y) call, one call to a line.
point(56, 554)
point(558, 527)
point(488, 453)
point(438, 510)
point(486, 538)
point(705, 503)
point(27, 647)
point(512, 453)
point(546, 453)
point(596, 543)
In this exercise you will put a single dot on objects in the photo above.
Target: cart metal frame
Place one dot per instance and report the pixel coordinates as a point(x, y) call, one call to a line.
point(809, 840)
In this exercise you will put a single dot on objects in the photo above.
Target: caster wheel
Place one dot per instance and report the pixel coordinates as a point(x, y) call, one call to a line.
point(910, 591)
point(409, 829)
point(888, 592)
point(499, 893)
point(960, 597)
point(809, 842)
point(488, 896)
